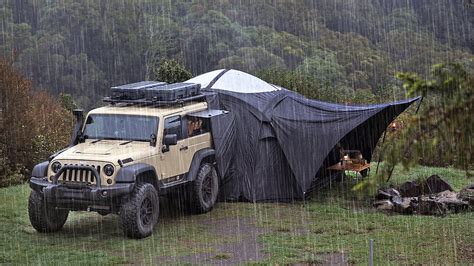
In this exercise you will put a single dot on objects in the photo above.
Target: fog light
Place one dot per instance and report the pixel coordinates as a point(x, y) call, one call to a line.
point(104, 193)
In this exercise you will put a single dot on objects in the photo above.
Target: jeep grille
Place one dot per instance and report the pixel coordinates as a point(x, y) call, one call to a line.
point(81, 176)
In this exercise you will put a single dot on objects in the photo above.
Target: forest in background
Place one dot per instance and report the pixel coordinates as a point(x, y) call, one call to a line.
point(334, 50)
point(84, 47)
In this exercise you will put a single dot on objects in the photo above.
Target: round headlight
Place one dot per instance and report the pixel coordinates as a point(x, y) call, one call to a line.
point(108, 170)
point(55, 167)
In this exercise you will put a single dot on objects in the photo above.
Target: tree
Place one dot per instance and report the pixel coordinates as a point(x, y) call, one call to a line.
point(293, 80)
point(444, 128)
point(442, 132)
point(170, 71)
point(323, 66)
point(250, 59)
point(33, 125)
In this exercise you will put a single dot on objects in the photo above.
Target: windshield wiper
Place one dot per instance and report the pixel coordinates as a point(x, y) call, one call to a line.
point(97, 140)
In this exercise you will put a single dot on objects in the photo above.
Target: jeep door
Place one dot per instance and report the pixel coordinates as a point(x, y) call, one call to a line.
point(172, 157)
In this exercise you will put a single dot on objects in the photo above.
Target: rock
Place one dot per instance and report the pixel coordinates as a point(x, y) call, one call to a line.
point(467, 194)
point(385, 205)
point(435, 184)
point(441, 204)
point(397, 200)
point(402, 205)
point(447, 194)
point(410, 189)
point(429, 206)
point(432, 185)
point(387, 193)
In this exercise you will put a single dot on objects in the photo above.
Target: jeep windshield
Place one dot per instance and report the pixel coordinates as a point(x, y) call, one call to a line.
point(120, 127)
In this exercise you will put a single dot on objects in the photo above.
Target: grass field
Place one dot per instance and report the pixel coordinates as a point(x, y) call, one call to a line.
point(332, 225)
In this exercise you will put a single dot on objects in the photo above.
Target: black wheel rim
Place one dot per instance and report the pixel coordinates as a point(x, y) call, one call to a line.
point(146, 212)
point(206, 189)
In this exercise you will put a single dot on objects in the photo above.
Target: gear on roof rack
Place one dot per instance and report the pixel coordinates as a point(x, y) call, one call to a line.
point(154, 92)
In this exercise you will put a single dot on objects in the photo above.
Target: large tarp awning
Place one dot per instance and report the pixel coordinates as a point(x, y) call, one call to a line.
point(273, 142)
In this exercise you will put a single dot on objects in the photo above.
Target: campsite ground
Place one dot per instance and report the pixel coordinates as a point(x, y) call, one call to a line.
point(332, 227)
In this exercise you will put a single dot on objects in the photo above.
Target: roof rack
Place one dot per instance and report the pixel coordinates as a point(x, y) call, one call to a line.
point(155, 93)
point(155, 102)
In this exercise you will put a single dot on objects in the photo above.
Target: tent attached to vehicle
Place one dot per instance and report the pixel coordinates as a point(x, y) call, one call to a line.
point(274, 143)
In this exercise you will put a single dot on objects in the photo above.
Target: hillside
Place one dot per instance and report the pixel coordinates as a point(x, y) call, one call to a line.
point(83, 47)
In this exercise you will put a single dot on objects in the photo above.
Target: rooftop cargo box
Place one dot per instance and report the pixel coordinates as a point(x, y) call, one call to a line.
point(134, 91)
point(172, 92)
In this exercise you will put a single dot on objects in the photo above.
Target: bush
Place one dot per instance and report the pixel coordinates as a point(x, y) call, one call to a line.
point(33, 125)
point(170, 71)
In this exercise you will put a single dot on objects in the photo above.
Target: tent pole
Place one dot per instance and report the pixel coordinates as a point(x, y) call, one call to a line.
point(419, 104)
point(383, 141)
point(390, 174)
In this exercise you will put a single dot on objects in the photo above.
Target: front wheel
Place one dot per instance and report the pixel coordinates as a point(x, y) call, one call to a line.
point(140, 214)
point(44, 218)
point(206, 188)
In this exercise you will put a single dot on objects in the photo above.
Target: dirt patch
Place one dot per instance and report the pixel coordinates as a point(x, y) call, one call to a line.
point(243, 247)
point(335, 258)
point(466, 253)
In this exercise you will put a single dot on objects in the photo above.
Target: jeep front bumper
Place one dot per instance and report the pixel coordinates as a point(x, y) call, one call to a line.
point(73, 192)
point(79, 195)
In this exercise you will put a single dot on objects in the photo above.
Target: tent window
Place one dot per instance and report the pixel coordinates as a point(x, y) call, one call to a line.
point(173, 126)
point(196, 126)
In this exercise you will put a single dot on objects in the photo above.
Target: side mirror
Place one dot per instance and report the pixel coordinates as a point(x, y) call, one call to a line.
point(153, 140)
point(170, 139)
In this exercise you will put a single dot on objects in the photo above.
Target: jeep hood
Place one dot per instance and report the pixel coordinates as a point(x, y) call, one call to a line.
point(107, 150)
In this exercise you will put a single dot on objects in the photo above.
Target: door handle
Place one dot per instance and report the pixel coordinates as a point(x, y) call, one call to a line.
point(183, 148)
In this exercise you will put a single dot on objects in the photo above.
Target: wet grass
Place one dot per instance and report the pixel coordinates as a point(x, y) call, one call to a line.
point(333, 221)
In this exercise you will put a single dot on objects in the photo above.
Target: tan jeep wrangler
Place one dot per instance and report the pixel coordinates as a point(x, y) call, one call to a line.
point(151, 139)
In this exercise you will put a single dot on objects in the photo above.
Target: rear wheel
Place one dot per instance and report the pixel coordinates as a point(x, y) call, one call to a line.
point(44, 218)
point(140, 214)
point(206, 188)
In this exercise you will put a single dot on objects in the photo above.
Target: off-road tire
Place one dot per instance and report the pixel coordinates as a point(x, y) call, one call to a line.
point(44, 218)
point(205, 189)
point(140, 213)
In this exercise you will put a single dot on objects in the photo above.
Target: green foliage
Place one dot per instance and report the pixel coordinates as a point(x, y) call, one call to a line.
point(67, 102)
point(250, 59)
point(323, 66)
point(83, 47)
point(442, 132)
point(170, 71)
point(293, 80)
point(444, 129)
point(310, 87)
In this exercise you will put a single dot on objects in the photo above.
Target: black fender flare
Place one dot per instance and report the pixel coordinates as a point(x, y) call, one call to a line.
point(40, 170)
point(130, 173)
point(198, 157)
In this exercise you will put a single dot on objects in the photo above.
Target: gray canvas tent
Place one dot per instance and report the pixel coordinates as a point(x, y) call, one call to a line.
point(274, 143)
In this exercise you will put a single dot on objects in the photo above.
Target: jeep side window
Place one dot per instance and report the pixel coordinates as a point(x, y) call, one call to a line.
point(173, 126)
point(196, 126)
